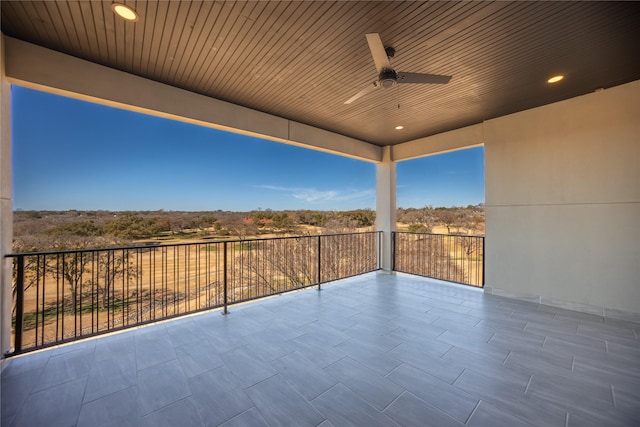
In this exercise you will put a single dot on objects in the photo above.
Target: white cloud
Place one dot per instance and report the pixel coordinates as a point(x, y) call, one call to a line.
point(312, 195)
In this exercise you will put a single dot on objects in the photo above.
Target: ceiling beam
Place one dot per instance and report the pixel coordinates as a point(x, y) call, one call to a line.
point(43, 69)
point(458, 139)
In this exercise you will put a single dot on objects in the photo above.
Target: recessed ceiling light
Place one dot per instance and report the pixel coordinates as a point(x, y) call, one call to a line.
point(399, 127)
point(555, 79)
point(124, 11)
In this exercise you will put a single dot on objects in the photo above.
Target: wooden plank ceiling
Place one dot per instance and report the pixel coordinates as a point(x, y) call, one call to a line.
point(302, 60)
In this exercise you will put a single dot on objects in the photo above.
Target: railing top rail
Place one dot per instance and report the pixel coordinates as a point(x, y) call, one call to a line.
point(440, 234)
point(153, 245)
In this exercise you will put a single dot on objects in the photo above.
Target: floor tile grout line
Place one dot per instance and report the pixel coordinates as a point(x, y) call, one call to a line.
point(453, 383)
point(528, 384)
point(395, 399)
point(241, 413)
point(475, 408)
point(613, 395)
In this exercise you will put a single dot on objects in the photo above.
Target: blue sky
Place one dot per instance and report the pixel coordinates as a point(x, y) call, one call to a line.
point(69, 154)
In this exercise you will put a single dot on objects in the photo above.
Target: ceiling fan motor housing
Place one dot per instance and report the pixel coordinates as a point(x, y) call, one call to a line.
point(388, 78)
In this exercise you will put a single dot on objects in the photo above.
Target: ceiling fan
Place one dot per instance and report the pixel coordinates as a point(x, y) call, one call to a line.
point(387, 76)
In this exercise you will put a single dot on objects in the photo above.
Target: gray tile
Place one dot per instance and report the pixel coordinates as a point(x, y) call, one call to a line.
point(250, 418)
point(493, 383)
point(579, 418)
point(320, 355)
point(247, 365)
point(25, 363)
point(160, 385)
point(338, 317)
point(110, 375)
point(111, 346)
point(325, 334)
point(427, 362)
point(521, 340)
point(621, 365)
point(259, 313)
point(570, 392)
point(309, 379)
point(196, 358)
point(499, 323)
point(241, 324)
point(606, 332)
point(532, 361)
point(15, 390)
point(184, 333)
point(551, 327)
point(374, 320)
point(344, 408)
point(55, 406)
point(629, 401)
point(370, 356)
point(628, 349)
point(114, 410)
point(416, 334)
point(282, 328)
point(373, 337)
point(466, 359)
point(268, 344)
point(281, 405)
point(223, 341)
point(454, 402)
point(573, 344)
point(181, 413)
point(504, 388)
point(582, 366)
point(599, 373)
point(150, 332)
point(433, 347)
point(377, 390)
point(218, 396)
point(409, 410)
point(473, 344)
point(64, 368)
point(153, 349)
point(579, 317)
point(488, 415)
point(87, 345)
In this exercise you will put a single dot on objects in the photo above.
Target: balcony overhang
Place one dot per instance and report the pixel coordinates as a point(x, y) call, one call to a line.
point(43, 69)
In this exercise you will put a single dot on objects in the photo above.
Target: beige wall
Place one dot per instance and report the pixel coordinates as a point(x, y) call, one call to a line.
point(563, 203)
point(6, 210)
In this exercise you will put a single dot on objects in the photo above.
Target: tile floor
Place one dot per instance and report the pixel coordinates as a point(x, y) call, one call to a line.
point(375, 350)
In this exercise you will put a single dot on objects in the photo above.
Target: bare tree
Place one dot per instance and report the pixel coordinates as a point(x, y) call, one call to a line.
point(113, 265)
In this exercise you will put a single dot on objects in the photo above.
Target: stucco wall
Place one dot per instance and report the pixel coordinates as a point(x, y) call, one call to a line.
point(563, 203)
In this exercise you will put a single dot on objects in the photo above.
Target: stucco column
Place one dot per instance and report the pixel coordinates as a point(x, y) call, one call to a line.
point(386, 204)
point(6, 210)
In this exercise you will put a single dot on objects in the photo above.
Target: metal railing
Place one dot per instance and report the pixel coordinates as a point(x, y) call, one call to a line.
point(450, 257)
point(67, 295)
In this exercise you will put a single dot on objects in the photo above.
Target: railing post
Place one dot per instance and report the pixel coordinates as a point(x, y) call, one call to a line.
point(224, 275)
point(19, 304)
point(393, 251)
point(483, 261)
point(319, 262)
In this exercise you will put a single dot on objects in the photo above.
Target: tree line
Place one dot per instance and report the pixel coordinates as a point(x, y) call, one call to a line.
point(74, 229)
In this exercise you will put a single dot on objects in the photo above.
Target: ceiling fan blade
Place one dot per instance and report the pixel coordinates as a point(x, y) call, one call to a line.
point(377, 51)
point(367, 90)
point(422, 78)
